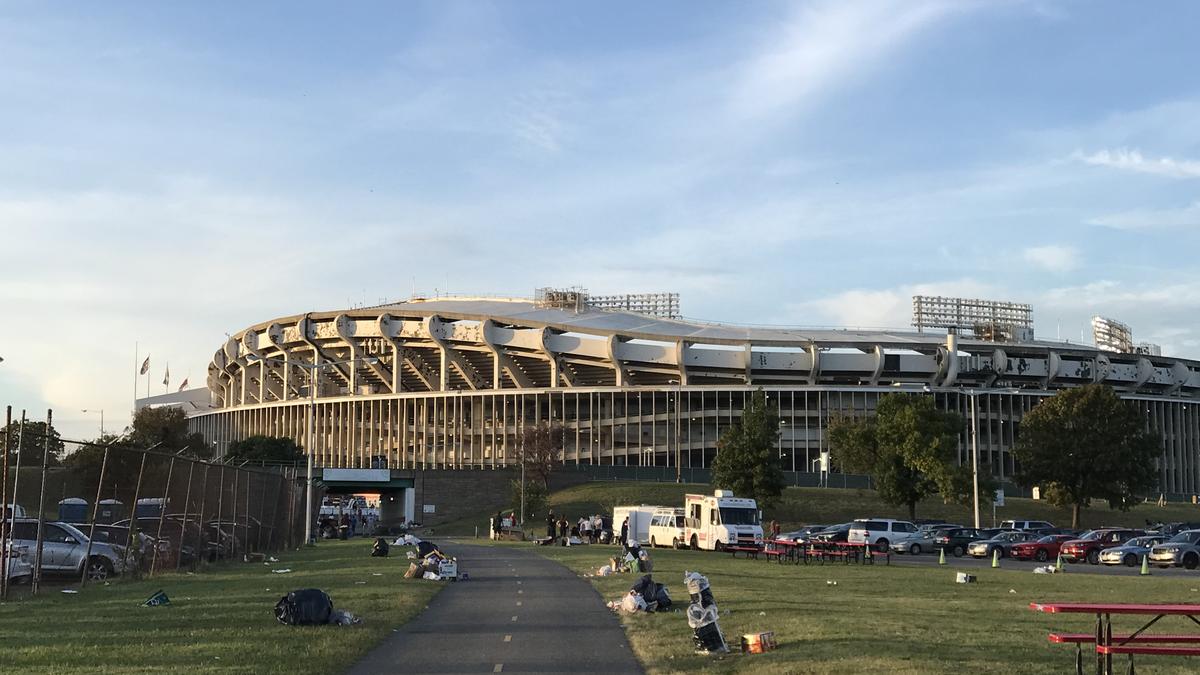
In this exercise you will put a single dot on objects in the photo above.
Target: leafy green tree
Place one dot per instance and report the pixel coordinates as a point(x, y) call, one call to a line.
point(747, 459)
point(267, 450)
point(120, 474)
point(33, 443)
point(910, 450)
point(165, 429)
point(1083, 444)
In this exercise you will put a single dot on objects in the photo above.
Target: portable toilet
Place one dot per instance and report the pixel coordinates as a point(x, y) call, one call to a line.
point(149, 507)
point(110, 511)
point(73, 510)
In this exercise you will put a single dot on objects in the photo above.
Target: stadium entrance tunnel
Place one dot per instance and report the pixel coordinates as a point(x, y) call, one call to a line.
point(397, 496)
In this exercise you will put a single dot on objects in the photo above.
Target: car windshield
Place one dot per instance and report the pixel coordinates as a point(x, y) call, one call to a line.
point(738, 516)
point(1089, 535)
point(1144, 541)
point(1189, 537)
point(1048, 539)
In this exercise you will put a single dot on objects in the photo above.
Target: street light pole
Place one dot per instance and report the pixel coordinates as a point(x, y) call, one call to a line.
point(101, 411)
point(975, 452)
point(678, 440)
point(308, 490)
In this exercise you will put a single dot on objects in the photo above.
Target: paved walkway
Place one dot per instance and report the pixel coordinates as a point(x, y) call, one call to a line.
point(518, 613)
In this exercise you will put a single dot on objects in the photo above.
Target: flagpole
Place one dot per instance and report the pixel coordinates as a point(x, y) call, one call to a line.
point(135, 374)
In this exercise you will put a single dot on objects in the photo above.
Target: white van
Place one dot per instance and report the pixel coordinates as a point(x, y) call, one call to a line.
point(717, 521)
point(880, 532)
point(639, 522)
point(667, 525)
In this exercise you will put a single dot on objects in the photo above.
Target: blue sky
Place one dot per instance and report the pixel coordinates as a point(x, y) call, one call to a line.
point(170, 173)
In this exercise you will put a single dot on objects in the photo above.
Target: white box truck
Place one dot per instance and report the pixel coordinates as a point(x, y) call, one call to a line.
point(639, 522)
point(714, 522)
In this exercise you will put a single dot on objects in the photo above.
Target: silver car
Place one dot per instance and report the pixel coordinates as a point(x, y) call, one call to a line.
point(64, 547)
point(924, 541)
point(1181, 550)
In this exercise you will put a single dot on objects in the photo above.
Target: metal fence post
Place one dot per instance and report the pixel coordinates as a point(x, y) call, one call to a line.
point(137, 492)
point(87, 558)
point(37, 557)
point(204, 523)
point(5, 536)
point(187, 500)
point(220, 512)
point(233, 498)
point(162, 513)
point(275, 511)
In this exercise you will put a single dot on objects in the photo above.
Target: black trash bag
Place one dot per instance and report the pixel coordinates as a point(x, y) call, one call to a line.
point(708, 638)
point(307, 607)
point(644, 587)
point(424, 548)
point(704, 598)
point(662, 597)
point(380, 549)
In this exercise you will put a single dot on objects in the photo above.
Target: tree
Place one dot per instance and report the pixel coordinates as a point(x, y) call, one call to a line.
point(910, 450)
point(540, 451)
point(267, 450)
point(166, 430)
point(120, 473)
point(1084, 444)
point(33, 443)
point(747, 459)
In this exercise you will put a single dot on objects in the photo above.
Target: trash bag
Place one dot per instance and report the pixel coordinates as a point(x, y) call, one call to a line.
point(698, 616)
point(644, 587)
point(709, 639)
point(424, 548)
point(380, 549)
point(604, 571)
point(306, 607)
point(662, 598)
point(633, 602)
point(414, 570)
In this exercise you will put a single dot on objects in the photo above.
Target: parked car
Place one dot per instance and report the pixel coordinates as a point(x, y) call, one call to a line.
point(836, 533)
point(1025, 525)
point(924, 541)
point(1089, 544)
point(20, 567)
point(880, 532)
point(1041, 549)
point(1172, 529)
point(1130, 553)
point(803, 534)
point(1182, 550)
point(64, 548)
point(956, 541)
point(1001, 543)
point(666, 525)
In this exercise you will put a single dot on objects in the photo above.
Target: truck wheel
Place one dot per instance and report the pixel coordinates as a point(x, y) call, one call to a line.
point(719, 547)
point(652, 544)
point(675, 542)
point(695, 544)
point(1190, 560)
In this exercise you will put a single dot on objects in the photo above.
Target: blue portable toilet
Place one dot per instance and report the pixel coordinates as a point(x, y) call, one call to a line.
point(73, 510)
point(149, 507)
point(110, 511)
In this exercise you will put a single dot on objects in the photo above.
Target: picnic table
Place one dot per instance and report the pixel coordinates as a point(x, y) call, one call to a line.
point(1137, 642)
point(846, 551)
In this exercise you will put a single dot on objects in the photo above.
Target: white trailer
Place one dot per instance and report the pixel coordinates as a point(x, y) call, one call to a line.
point(639, 522)
point(714, 522)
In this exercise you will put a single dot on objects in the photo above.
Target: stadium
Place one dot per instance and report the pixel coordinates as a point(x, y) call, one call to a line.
point(428, 385)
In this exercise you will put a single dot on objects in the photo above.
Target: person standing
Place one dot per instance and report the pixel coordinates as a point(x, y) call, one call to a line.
point(498, 526)
point(563, 527)
point(551, 523)
point(585, 529)
point(624, 532)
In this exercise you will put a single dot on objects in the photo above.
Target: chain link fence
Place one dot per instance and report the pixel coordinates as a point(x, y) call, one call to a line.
point(86, 512)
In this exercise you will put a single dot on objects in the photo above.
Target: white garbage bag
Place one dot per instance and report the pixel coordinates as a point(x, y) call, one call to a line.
point(633, 602)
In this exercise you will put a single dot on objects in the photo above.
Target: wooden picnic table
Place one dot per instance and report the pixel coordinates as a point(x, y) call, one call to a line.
point(1133, 643)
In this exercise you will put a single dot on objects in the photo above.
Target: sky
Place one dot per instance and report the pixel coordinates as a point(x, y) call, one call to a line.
point(174, 172)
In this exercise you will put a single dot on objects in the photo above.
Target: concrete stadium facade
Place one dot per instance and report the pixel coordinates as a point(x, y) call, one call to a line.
point(450, 383)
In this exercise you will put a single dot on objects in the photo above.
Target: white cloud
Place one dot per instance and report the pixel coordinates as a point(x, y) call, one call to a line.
point(1145, 219)
point(822, 45)
point(1133, 160)
point(882, 308)
point(1052, 257)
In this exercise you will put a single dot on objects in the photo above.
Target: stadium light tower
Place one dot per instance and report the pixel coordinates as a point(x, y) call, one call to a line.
point(312, 369)
point(101, 411)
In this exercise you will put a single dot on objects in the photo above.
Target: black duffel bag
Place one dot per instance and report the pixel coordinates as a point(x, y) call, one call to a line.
point(307, 607)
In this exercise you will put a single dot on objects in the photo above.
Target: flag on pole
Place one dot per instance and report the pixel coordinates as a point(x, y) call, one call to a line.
point(145, 366)
point(184, 385)
point(167, 375)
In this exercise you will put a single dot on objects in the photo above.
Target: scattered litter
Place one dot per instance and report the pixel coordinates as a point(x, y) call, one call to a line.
point(702, 616)
point(70, 591)
point(305, 607)
point(380, 548)
point(1047, 569)
point(272, 559)
point(762, 613)
point(964, 578)
point(376, 574)
point(159, 598)
point(830, 583)
point(343, 618)
point(284, 570)
point(1012, 590)
point(360, 582)
point(757, 643)
point(431, 576)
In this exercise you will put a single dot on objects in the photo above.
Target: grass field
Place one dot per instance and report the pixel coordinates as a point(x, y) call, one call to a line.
point(884, 619)
point(218, 621)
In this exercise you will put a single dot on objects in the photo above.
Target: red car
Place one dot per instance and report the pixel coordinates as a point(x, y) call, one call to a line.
point(1089, 544)
point(1040, 550)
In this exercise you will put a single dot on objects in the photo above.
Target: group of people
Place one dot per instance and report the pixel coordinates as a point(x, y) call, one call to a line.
point(587, 528)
